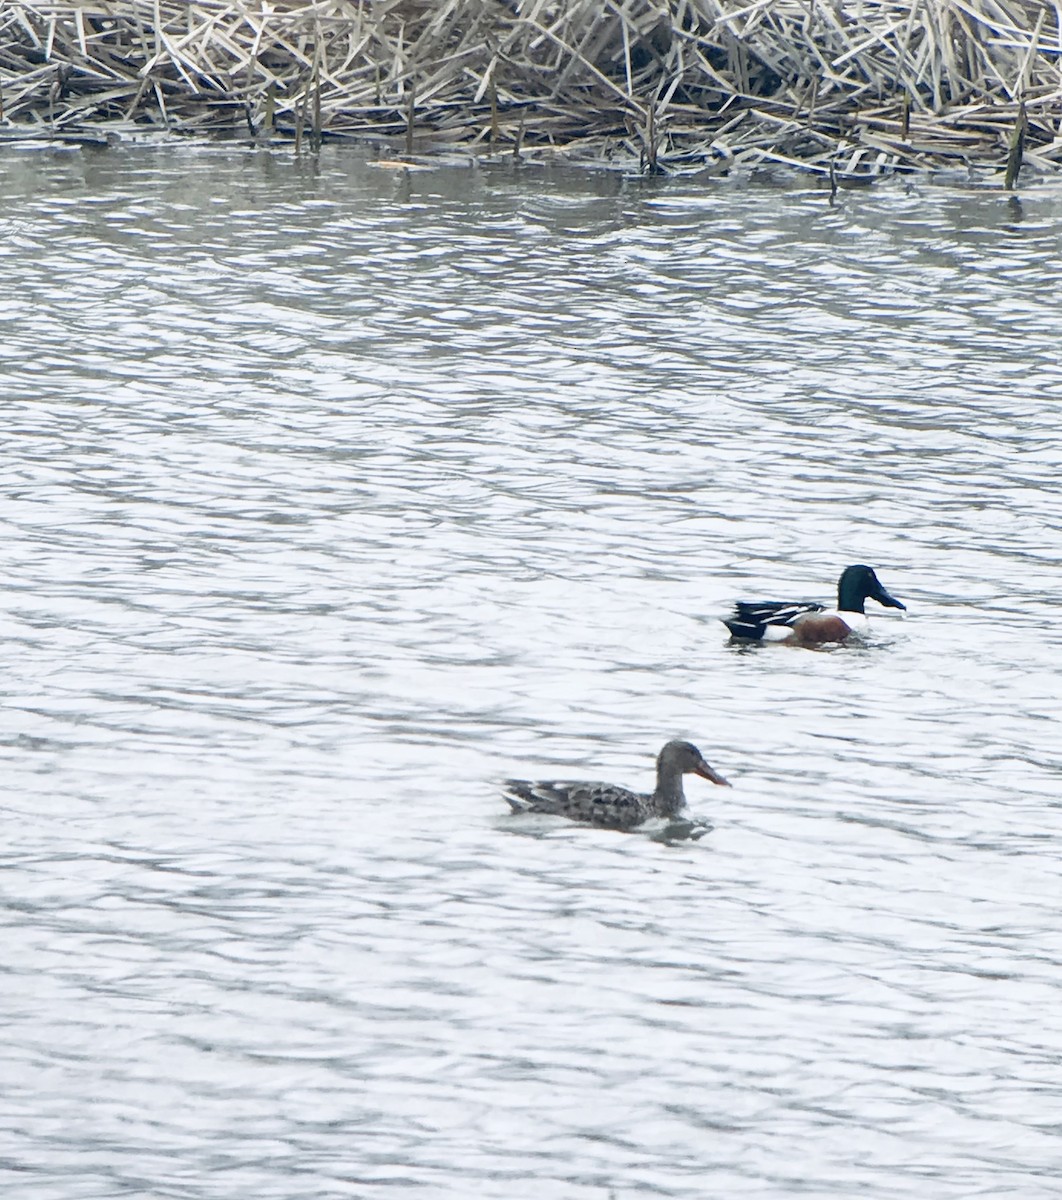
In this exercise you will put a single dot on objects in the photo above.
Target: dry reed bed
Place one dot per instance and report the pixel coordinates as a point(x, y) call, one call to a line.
point(864, 86)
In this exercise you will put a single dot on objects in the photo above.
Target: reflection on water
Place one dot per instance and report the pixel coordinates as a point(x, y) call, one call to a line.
point(333, 495)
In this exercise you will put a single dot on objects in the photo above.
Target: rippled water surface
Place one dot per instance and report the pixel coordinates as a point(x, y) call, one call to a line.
point(332, 495)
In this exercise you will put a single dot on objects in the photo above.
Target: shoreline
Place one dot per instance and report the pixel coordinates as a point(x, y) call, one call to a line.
point(857, 91)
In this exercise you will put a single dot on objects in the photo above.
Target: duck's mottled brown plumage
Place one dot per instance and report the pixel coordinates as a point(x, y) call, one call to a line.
point(612, 807)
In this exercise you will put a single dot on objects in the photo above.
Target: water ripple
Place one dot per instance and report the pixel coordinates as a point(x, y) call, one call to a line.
point(333, 495)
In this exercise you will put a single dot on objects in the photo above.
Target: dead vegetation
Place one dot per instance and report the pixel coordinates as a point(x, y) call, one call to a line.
point(859, 87)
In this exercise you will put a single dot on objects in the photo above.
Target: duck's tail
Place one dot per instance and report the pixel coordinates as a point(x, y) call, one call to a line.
point(520, 795)
point(743, 627)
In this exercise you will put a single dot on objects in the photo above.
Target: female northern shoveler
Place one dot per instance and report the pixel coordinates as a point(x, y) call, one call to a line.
point(812, 624)
point(612, 807)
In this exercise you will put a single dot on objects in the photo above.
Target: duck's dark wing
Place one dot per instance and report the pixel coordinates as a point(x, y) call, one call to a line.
point(752, 617)
point(601, 804)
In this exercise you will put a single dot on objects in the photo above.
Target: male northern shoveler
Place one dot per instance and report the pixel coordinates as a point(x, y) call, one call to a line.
point(810, 624)
point(612, 807)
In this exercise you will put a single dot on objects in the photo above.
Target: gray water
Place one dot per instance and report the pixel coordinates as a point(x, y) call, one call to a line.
point(333, 495)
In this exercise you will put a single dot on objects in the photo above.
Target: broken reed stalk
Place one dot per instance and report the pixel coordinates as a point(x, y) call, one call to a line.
point(300, 121)
point(315, 141)
point(871, 86)
point(409, 118)
point(1016, 149)
point(313, 88)
point(652, 164)
point(269, 116)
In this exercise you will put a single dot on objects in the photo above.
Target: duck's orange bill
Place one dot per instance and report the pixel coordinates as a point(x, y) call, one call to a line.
point(706, 772)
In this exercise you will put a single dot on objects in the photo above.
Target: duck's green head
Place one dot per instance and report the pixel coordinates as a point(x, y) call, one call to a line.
point(858, 584)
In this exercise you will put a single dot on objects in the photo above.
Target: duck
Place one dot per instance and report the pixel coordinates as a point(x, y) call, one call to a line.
point(809, 624)
point(609, 806)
